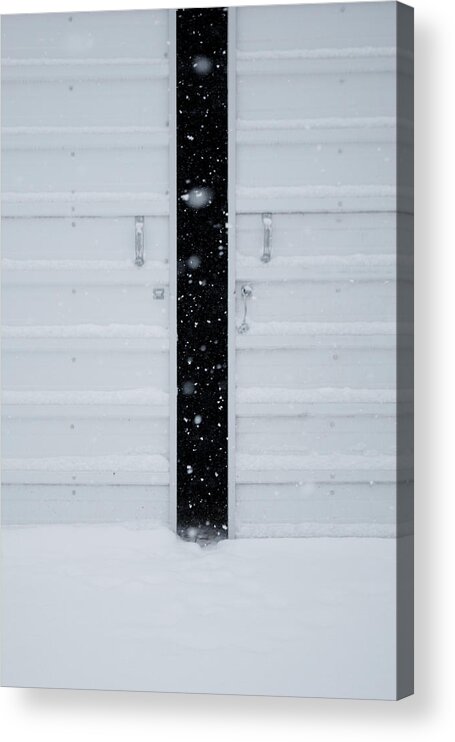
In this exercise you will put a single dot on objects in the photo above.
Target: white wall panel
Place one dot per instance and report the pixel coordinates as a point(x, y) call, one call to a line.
point(78, 304)
point(285, 163)
point(115, 36)
point(71, 169)
point(342, 301)
point(334, 26)
point(87, 366)
point(86, 332)
point(86, 103)
point(368, 369)
point(308, 96)
point(323, 433)
point(83, 239)
point(60, 503)
point(307, 234)
point(316, 369)
point(88, 435)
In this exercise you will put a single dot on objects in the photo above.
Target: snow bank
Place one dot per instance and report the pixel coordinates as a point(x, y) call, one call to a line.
point(135, 608)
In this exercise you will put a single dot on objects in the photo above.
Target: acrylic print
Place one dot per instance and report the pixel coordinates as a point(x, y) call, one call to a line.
point(207, 350)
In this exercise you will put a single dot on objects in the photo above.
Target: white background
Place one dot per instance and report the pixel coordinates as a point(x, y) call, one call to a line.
point(71, 715)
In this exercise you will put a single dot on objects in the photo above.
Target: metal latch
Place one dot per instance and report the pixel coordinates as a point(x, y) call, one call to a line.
point(267, 248)
point(139, 241)
point(246, 293)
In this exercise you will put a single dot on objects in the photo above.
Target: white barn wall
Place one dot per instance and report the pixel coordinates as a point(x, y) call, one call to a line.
point(315, 135)
point(86, 345)
point(316, 371)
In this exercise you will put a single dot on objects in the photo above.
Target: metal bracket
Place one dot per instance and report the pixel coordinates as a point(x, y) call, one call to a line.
point(246, 293)
point(267, 249)
point(139, 241)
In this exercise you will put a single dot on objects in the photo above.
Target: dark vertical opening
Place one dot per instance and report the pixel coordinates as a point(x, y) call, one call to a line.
point(202, 273)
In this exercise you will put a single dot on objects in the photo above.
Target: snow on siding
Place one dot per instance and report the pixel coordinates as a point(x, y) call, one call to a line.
point(85, 338)
point(316, 369)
